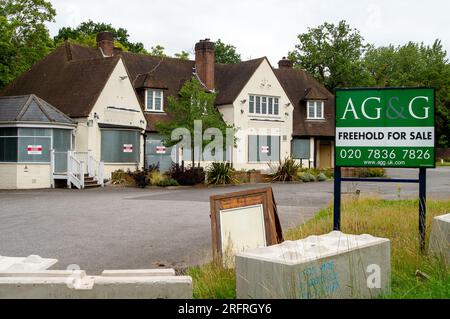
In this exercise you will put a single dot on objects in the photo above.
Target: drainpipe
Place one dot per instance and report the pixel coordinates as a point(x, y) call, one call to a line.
point(144, 135)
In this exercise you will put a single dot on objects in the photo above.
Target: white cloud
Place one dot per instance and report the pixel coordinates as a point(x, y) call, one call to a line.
point(259, 28)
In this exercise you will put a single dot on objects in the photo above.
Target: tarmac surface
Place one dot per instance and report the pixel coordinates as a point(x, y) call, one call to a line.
point(130, 228)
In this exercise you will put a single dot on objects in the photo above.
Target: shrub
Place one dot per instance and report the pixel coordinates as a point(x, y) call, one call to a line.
point(368, 172)
point(121, 177)
point(153, 168)
point(187, 176)
point(155, 177)
point(168, 181)
point(307, 177)
point(140, 178)
point(286, 171)
point(322, 177)
point(220, 173)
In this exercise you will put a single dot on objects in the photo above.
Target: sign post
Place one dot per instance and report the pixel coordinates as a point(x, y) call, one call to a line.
point(385, 127)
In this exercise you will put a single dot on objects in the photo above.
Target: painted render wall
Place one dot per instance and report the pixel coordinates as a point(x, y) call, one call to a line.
point(263, 82)
point(8, 173)
point(25, 176)
point(117, 93)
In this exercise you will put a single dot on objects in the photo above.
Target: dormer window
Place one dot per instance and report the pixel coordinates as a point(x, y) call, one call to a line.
point(154, 101)
point(315, 110)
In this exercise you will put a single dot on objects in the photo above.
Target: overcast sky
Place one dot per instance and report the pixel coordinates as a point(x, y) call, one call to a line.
point(259, 27)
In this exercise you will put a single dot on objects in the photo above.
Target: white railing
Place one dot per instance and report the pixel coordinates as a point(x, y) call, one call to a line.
point(75, 171)
point(95, 169)
point(75, 165)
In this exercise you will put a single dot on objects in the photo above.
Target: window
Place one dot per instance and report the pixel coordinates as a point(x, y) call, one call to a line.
point(32, 145)
point(301, 148)
point(263, 148)
point(154, 101)
point(315, 109)
point(120, 146)
point(264, 105)
point(156, 153)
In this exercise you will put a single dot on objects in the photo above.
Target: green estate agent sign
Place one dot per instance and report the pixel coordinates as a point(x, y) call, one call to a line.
point(391, 127)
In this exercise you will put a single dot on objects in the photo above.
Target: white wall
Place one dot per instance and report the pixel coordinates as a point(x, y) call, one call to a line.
point(33, 176)
point(120, 94)
point(8, 173)
point(25, 176)
point(274, 125)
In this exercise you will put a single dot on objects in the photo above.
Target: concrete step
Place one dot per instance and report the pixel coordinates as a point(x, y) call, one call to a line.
point(92, 185)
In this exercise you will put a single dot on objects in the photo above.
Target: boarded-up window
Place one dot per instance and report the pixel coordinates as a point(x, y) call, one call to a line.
point(120, 146)
point(263, 148)
point(301, 148)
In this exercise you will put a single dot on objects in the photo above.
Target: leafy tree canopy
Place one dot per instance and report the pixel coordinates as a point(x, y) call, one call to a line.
point(183, 55)
point(226, 53)
point(193, 103)
point(86, 33)
point(158, 51)
point(415, 64)
point(332, 54)
point(24, 38)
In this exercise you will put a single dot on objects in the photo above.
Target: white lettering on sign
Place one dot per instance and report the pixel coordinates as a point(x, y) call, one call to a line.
point(363, 108)
point(34, 149)
point(128, 148)
point(350, 108)
point(265, 149)
point(160, 150)
point(411, 111)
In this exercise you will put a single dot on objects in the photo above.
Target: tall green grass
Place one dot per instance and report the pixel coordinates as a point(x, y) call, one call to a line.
point(396, 220)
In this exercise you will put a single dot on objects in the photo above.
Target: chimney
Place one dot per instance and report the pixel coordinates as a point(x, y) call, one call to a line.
point(105, 42)
point(285, 63)
point(205, 61)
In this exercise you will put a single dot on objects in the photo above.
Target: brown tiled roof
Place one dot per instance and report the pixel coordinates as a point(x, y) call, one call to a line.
point(301, 87)
point(72, 77)
point(231, 79)
point(71, 86)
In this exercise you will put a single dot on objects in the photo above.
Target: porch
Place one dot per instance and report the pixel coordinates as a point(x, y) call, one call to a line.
point(78, 169)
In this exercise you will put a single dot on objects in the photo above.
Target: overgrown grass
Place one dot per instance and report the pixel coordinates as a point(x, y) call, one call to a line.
point(212, 281)
point(396, 220)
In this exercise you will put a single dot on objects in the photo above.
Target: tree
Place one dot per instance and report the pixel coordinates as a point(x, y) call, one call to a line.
point(193, 103)
point(24, 38)
point(333, 54)
point(415, 64)
point(86, 33)
point(158, 51)
point(226, 53)
point(183, 55)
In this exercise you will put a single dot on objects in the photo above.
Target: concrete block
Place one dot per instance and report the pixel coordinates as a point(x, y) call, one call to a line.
point(440, 237)
point(334, 265)
point(78, 285)
point(26, 264)
point(139, 273)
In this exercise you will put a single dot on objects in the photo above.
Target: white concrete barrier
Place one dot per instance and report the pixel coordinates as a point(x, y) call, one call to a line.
point(440, 237)
point(123, 284)
point(30, 263)
point(334, 265)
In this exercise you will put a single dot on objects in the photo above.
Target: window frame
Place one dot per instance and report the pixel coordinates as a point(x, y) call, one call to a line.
point(314, 105)
point(18, 135)
point(152, 109)
point(264, 104)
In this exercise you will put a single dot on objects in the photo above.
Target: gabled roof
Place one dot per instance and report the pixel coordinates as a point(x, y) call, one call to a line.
point(30, 108)
point(72, 86)
point(231, 79)
point(300, 87)
point(72, 77)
